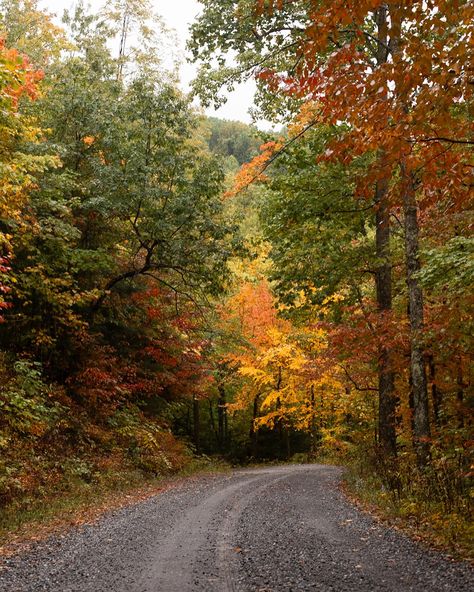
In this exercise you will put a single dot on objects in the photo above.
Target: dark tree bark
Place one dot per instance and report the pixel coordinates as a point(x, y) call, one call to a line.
point(221, 414)
point(421, 420)
point(436, 395)
point(213, 423)
point(123, 41)
point(386, 378)
point(419, 386)
point(196, 424)
point(312, 427)
point(287, 442)
point(281, 429)
point(460, 395)
point(253, 430)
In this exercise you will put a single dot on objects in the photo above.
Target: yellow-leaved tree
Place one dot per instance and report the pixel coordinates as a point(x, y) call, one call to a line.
point(288, 378)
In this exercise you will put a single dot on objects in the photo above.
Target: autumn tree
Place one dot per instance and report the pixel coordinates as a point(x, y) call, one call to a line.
point(31, 31)
point(18, 81)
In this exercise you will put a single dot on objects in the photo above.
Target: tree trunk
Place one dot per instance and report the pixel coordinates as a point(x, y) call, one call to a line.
point(226, 428)
point(411, 405)
point(253, 430)
point(222, 412)
point(460, 395)
point(213, 423)
point(188, 419)
point(435, 393)
point(419, 387)
point(421, 421)
point(196, 425)
point(386, 378)
point(312, 426)
point(123, 42)
point(287, 442)
point(280, 427)
point(280, 431)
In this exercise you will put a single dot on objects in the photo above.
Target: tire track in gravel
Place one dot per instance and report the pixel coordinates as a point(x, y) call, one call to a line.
point(213, 523)
point(190, 534)
point(226, 549)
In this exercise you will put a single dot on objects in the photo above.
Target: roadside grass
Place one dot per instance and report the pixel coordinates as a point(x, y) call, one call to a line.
point(452, 532)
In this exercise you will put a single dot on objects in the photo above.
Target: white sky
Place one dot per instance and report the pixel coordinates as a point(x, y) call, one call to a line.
point(178, 14)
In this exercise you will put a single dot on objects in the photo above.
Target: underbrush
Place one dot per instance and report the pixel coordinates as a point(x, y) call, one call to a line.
point(58, 458)
point(75, 491)
point(434, 504)
point(115, 480)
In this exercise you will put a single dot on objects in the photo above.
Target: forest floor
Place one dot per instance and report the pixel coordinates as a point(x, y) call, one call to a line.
point(279, 529)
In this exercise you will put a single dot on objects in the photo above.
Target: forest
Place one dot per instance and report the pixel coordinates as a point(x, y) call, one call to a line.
point(179, 291)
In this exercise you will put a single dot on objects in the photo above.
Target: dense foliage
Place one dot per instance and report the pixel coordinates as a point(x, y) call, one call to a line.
point(113, 240)
point(235, 141)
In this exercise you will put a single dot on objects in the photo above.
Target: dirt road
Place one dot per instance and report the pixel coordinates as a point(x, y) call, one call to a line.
point(273, 529)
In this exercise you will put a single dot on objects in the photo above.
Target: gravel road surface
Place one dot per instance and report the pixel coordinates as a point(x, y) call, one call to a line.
point(273, 529)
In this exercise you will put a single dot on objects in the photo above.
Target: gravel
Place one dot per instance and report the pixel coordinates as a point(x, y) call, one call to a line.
point(277, 529)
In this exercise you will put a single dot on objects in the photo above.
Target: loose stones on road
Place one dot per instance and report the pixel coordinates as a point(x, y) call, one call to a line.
point(277, 529)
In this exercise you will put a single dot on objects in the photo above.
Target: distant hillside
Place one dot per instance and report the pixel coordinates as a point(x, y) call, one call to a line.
point(234, 139)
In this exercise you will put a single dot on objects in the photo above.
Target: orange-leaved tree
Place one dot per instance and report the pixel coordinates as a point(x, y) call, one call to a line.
point(18, 80)
point(285, 375)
